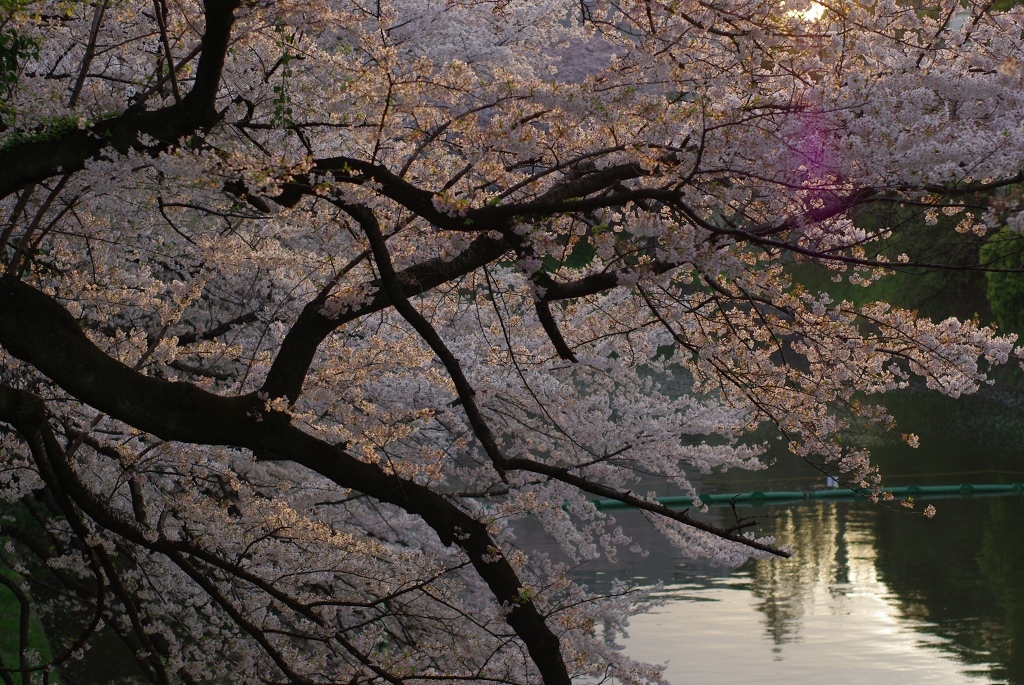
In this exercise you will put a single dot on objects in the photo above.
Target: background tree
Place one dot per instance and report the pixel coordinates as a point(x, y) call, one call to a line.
point(305, 303)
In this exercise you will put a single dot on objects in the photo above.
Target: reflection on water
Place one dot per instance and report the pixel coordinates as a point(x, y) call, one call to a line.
point(966, 581)
point(844, 610)
point(822, 561)
point(871, 596)
point(1002, 561)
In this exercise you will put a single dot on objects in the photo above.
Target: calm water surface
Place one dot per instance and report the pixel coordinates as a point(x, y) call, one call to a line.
point(871, 596)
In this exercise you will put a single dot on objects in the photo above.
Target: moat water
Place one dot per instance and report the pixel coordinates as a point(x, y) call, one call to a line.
point(871, 595)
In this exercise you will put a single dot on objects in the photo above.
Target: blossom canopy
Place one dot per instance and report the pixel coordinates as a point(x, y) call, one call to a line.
point(305, 304)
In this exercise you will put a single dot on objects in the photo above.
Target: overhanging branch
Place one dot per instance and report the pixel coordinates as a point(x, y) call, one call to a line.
point(35, 160)
point(36, 329)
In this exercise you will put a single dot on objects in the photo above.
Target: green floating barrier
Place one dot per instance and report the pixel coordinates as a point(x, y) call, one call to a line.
point(758, 497)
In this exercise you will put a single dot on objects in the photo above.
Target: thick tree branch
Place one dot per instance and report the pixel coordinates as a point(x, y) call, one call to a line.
point(312, 326)
point(36, 160)
point(558, 198)
point(289, 369)
point(36, 329)
point(547, 320)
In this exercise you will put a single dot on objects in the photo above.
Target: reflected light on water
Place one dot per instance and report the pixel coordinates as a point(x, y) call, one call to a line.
point(825, 614)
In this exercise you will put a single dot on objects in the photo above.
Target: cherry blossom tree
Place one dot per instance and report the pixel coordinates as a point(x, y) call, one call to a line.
point(305, 304)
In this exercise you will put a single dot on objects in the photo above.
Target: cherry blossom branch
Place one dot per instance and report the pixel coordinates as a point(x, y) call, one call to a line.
point(218, 330)
point(36, 160)
point(90, 51)
point(303, 339)
point(36, 329)
point(547, 321)
point(312, 326)
point(565, 475)
point(26, 413)
point(393, 288)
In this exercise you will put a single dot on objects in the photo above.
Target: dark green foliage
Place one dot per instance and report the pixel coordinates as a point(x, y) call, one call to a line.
point(1005, 291)
point(15, 48)
point(953, 287)
point(10, 609)
point(49, 130)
